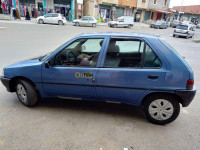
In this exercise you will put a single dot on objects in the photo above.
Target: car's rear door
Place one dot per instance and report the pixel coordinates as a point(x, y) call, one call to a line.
point(130, 68)
point(55, 18)
point(74, 69)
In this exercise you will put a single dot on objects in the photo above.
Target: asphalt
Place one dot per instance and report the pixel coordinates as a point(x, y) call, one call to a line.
point(75, 125)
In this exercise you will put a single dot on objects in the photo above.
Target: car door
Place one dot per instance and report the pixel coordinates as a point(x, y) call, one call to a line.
point(73, 69)
point(129, 69)
point(90, 21)
point(48, 18)
point(55, 19)
point(84, 21)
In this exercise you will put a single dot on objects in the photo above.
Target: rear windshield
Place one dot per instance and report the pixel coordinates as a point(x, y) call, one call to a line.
point(182, 27)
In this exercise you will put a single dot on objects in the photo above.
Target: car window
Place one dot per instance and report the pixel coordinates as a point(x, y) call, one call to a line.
point(124, 53)
point(91, 19)
point(82, 52)
point(54, 15)
point(49, 15)
point(84, 18)
point(183, 27)
point(151, 60)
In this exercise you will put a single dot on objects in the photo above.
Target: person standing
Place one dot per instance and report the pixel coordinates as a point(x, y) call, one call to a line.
point(14, 13)
point(27, 15)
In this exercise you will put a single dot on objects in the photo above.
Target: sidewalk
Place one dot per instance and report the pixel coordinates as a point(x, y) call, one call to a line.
point(33, 21)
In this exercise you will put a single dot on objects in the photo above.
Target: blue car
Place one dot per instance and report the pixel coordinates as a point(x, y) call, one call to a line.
point(131, 68)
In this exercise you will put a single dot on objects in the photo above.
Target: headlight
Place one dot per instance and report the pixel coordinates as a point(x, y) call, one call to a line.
point(2, 73)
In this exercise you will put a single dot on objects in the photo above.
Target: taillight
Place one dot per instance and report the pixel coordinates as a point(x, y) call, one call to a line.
point(190, 84)
point(175, 30)
point(187, 32)
point(63, 18)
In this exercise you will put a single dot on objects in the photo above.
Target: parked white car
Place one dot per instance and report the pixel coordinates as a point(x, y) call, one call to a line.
point(123, 21)
point(184, 31)
point(52, 18)
point(86, 21)
point(189, 24)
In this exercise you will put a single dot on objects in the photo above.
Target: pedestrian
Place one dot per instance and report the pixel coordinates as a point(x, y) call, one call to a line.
point(14, 13)
point(27, 15)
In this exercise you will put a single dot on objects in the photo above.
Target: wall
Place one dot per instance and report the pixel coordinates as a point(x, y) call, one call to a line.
point(50, 4)
point(159, 5)
point(114, 2)
point(130, 3)
point(142, 5)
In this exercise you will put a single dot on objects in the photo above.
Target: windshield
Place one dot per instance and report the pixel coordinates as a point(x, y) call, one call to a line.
point(182, 27)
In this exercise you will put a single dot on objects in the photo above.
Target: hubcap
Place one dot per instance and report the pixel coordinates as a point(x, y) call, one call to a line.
point(161, 109)
point(21, 92)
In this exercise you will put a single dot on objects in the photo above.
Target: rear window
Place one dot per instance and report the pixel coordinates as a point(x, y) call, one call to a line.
point(182, 27)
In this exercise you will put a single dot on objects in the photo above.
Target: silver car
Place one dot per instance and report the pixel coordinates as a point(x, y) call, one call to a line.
point(51, 18)
point(86, 21)
point(184, 31)
point(159, 25)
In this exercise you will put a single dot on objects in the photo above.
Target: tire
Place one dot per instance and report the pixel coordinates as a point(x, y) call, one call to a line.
point(187, 37)
point(26, 93)
point(114, 26)
point(40, 21)
point(60, 22)
point(157, 113)
point(94, 25)
point(129, 26)
point(173, 35)
point(77, 24)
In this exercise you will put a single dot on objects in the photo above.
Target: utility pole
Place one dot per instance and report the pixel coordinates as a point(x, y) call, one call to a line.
point(75, 9)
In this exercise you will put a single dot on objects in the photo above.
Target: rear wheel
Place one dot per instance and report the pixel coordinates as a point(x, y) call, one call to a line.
point(26, 93)
point(60, 22)
point(161, 109)
point(129, 26)
point(187, 37)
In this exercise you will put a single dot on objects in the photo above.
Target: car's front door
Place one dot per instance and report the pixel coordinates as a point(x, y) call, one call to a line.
point(84, 21)
point(130, 69)
point(48, 18)
point(73, 70)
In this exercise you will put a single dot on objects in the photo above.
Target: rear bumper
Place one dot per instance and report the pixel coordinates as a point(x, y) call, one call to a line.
point(6, 83)
point(187, 96)
point(180, 34)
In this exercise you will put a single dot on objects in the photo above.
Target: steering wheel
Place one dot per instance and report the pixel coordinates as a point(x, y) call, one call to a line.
point(71, 58)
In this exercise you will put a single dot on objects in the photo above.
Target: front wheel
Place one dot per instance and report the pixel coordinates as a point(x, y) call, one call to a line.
point(115, 26)
point(94, 25)
point(76, 24)
point(161, 109)
point(26, 93)
point(41, 21)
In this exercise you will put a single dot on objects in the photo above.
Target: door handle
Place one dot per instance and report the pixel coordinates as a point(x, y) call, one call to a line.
point(153, 77)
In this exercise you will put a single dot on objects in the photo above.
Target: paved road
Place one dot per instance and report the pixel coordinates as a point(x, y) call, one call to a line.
point(69, 125)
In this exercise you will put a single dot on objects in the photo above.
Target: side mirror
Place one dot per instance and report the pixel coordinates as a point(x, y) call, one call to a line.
point(47, 64)
point(45, 16)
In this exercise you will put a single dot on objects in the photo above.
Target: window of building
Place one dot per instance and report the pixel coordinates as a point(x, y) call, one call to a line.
point(165, 2)
point(154, 2)
point(83, 52)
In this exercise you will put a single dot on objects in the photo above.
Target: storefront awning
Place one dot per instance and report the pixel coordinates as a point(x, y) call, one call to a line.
point(162, 11)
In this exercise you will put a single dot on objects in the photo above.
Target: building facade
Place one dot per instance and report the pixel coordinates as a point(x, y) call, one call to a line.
point(142, 13)
point(159, 10)
point(187, 13)
point(109, 9)
point(69, 8)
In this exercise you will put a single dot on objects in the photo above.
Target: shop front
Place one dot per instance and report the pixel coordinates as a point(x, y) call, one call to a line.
point(105, 12)
point(119, 12)
point(157, 14)
point(5, 6)
point(63, 7)
point(27, 5)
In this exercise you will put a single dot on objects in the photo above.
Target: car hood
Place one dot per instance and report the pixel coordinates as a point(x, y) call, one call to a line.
point(112, 22)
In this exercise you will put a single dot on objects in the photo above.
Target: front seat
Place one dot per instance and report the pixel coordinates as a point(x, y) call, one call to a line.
point(112, 57)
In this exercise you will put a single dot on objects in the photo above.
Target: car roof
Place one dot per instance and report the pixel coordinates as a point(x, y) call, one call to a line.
point(122, 34)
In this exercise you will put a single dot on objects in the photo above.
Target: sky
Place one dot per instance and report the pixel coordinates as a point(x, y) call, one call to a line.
point(185, 2)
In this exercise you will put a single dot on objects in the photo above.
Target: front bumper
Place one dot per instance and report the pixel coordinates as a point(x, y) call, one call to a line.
point(187, 96)
point(6, 83)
